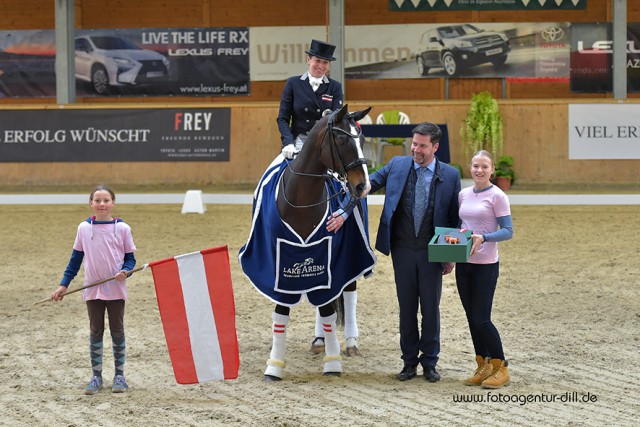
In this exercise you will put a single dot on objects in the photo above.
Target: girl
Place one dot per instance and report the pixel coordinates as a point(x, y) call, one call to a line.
point(106, 245)
point(485, 209)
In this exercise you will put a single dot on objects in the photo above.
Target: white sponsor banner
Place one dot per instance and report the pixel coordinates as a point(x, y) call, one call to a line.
point(604, 131)
point(411, 51)
point(277, 53)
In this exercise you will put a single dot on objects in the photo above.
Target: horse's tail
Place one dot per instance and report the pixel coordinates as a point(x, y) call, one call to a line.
point(338, 306)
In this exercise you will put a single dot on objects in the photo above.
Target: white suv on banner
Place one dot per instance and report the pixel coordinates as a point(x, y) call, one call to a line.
point(106, 61)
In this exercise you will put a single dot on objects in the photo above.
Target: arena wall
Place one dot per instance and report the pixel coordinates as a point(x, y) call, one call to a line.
point(534, 113)
point(536, 133)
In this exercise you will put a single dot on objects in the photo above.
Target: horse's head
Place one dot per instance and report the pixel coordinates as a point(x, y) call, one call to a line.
point(342, 150)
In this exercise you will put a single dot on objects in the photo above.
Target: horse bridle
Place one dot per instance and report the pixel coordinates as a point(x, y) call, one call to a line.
point(330, 174)
point(342, 176)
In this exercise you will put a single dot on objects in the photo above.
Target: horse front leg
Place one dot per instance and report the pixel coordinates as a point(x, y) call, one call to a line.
point(276, 362)
point(332, 359)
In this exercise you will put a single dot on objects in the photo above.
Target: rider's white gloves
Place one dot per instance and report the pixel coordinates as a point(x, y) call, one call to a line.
point(289, 151)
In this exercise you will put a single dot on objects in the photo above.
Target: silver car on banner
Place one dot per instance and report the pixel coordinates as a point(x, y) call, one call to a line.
point(108, 61)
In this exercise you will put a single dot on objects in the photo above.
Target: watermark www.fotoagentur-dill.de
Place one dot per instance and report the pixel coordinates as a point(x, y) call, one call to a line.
point(523, 399)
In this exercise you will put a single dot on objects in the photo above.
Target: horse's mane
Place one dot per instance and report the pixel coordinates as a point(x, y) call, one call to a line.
point(321, 125)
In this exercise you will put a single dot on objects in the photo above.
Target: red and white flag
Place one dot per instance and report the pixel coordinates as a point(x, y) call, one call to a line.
point(196, 304)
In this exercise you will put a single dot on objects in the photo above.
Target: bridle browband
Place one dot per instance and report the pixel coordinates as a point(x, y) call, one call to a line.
point(330, 174)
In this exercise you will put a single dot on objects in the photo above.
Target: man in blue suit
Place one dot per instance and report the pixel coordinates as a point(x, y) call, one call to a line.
point(421, 194)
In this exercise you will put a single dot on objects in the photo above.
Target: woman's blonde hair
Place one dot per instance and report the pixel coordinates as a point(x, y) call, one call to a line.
point(484, 153)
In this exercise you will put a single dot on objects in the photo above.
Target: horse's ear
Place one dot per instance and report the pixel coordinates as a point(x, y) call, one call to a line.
point(357, 115)
point(341, 113)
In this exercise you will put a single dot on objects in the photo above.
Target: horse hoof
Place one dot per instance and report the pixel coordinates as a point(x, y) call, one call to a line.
point(317, 346)
point(352, 347)
point(352, 351)
point(317, 349)
point(332, 374)
point(270, 378)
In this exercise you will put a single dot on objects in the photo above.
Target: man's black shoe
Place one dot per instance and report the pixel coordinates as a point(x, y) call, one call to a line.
point(407, 373)
point(431, 375)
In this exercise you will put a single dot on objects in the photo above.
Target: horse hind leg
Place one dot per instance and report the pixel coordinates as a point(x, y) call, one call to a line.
point(276, 363)
point(317, 346)
point(332, 359)
point(351, 332)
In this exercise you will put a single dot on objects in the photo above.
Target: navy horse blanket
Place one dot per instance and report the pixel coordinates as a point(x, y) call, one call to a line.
point(284, 267)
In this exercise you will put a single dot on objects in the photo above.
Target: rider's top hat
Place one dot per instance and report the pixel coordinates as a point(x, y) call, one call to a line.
point(322, 50)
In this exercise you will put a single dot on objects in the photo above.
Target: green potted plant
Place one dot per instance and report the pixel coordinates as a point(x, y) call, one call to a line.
point(482, 128)
point(504, 172)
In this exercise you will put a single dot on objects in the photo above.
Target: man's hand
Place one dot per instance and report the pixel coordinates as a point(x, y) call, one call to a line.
point(334, 222)
point(447, 267)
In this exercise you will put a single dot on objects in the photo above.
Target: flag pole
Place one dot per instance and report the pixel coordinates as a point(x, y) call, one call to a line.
point(42, 301)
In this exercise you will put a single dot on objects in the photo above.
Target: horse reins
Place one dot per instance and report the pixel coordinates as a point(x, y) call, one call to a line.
point(329, 175)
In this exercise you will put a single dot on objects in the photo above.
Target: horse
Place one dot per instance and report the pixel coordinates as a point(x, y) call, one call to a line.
point(291, 205)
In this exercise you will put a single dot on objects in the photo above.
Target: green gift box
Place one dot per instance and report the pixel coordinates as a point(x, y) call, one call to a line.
point(446, 252)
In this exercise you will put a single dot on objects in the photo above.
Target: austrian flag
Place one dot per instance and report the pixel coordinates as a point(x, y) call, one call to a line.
point(195, 298)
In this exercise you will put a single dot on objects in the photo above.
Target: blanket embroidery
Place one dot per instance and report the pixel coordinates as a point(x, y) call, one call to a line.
point(303, 267)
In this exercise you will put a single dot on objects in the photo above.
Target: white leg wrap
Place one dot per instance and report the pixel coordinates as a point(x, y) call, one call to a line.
point(350, 320)
point(275, 364)
point(332, 360)
point(319, 329)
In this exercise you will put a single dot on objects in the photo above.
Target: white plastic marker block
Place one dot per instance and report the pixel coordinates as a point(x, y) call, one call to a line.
point(193, 202)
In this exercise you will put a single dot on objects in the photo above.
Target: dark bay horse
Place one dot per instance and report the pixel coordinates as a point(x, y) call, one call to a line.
point(306, 191)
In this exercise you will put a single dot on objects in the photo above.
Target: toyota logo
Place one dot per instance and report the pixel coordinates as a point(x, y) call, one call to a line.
point(552, 34)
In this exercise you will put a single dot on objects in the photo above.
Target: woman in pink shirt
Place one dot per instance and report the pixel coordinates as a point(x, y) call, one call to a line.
point(106, 245)
point(485, 210)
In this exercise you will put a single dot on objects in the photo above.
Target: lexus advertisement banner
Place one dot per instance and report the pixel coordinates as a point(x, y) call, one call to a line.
point(223, 61)
point(130, 62)
point(118, 135)
point(592, 57)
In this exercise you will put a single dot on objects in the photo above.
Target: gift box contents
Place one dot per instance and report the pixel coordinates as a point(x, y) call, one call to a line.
point(450, 245)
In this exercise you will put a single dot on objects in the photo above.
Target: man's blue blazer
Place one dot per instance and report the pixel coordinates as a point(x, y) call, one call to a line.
point(393, 176)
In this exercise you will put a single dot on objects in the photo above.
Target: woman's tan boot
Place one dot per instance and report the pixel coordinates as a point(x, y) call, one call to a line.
point(500, 375)
point(484, 370)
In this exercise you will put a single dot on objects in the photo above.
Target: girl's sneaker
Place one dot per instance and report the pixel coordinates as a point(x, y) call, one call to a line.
point(94, 385)
point(119, 384)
